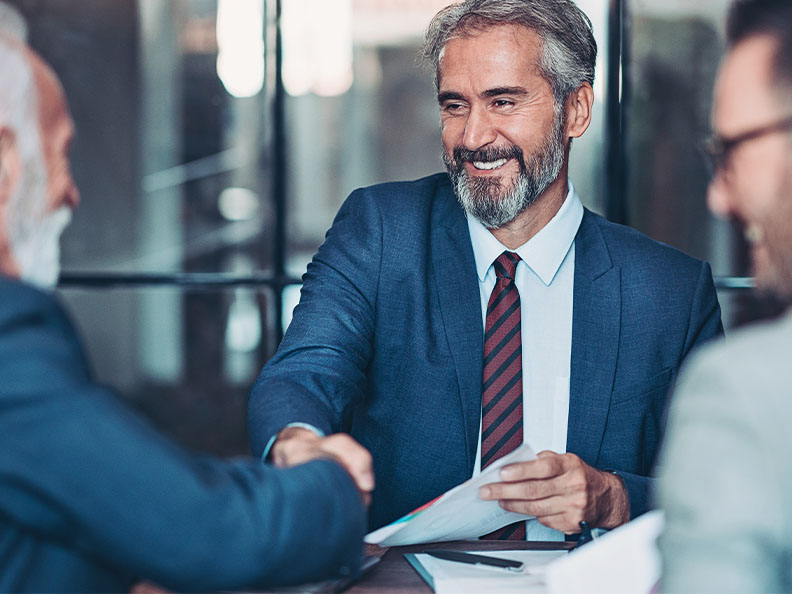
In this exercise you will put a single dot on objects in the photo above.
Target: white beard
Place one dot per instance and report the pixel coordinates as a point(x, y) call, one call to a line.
point(34, 234)
point(38, 253)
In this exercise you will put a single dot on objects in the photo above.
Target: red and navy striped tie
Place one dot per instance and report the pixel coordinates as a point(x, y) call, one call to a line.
point(502, 393)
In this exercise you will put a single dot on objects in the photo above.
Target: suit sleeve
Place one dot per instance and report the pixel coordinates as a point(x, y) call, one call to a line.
point(79, 468)
point(721, 484)
point(704, 323)
point(319, 371)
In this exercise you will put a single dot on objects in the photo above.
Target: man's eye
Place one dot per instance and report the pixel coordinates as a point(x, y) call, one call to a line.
point(502, 103)
point(452, 107)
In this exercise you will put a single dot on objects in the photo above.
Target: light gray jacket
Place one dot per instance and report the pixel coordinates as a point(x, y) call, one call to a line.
point(726, 472)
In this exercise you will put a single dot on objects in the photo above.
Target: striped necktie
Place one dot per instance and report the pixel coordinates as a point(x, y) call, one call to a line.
point(502, 393)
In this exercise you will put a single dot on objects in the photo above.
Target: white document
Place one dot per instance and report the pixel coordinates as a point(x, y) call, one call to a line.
point(456, 515)
point(623, 561)
point(450, 577)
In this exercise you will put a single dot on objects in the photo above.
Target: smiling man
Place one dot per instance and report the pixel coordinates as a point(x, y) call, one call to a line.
point(727, 473)
point(445, 321)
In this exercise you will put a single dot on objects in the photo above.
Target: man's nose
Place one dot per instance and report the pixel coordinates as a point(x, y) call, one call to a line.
point(719, 198)
point(479, 129)
point(72, 195)
point(65, 193)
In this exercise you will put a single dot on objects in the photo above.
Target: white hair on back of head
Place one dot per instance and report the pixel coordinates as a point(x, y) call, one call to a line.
point(12, 23)
point(18, 96)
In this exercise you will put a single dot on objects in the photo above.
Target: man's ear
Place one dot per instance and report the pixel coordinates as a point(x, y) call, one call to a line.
point(578, 108)
point(10, 164)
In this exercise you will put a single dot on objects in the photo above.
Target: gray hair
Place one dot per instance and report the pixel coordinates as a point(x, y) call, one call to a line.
point(12, 23)
point(569, 51)
point(18, 95)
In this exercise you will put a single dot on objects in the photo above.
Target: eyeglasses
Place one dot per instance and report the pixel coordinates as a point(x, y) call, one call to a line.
point(717, 148)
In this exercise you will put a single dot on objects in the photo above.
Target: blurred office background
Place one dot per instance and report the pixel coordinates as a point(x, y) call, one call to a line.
point(217, 139)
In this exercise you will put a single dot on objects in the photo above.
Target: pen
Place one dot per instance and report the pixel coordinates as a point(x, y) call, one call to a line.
point(473, 559)
point(587, 534)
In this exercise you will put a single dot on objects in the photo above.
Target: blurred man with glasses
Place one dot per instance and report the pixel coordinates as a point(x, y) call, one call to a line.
point(726, 476)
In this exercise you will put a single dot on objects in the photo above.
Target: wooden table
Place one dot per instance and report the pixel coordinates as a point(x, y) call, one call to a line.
point(394, 575)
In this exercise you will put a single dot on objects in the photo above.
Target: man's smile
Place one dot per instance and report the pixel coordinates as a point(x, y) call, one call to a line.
point(487, 165)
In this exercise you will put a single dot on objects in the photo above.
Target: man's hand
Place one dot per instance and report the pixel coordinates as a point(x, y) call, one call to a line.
point(561, 490)
point(296, 445)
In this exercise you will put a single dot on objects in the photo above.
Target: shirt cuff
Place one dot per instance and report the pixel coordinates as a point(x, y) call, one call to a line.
point(308, 426)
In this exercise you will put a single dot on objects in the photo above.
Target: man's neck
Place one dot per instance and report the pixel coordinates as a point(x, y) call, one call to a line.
point(533, 219)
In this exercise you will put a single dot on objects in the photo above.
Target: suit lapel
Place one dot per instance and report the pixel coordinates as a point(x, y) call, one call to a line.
point(596, 324)
point(460, 306)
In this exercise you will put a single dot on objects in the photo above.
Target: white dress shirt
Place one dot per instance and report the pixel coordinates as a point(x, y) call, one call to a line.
point(545, 281)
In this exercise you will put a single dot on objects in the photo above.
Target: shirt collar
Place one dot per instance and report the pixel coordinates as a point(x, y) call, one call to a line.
point(544, 252)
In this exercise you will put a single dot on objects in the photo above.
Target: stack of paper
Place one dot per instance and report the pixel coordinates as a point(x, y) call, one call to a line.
point(446, 577)
point(623, 561)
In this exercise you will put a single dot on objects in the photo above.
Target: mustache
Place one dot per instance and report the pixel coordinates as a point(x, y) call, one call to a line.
point(463, 155)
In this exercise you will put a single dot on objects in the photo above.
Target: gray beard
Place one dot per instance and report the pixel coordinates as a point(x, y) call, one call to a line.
point(493, 205)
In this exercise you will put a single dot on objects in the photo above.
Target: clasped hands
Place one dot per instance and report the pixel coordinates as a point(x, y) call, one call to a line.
point(296, 445)
point(559, 489)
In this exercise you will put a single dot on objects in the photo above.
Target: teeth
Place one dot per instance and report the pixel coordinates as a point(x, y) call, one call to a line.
point(490, 164)
point(754, 234)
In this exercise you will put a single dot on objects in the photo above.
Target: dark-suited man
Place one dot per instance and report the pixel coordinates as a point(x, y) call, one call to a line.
point(726, 471)
point(92, 498)
point(446, 320)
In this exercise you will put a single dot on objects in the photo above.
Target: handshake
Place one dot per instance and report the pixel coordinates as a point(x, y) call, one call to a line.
point(560, 490)
point(297, 445)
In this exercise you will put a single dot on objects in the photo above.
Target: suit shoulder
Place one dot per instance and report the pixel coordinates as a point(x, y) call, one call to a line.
point(404, 195)
point(757, 349)
point(629, 247)
point(34, 319)
point(20, 300)
point(418, 187)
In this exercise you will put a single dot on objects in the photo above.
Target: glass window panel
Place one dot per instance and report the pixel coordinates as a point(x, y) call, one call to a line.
point(163, 131)
point(674, 51)
point(187, 359)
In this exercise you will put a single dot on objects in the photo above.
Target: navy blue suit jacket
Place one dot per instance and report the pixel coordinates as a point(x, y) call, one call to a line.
point(387, 340)
point(93, 498)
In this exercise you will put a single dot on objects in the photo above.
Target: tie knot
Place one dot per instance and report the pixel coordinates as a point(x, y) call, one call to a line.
point(506, 265)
